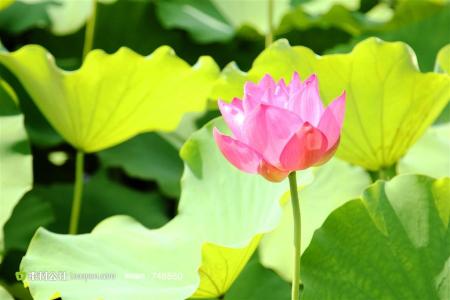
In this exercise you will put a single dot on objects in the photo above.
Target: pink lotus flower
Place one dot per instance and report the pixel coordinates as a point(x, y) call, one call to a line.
point(279, 128)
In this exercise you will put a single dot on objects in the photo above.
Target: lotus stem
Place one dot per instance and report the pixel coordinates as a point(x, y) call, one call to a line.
point(297, 236)
point(79, 160)
point(269, 34)
point(78, 193)
point(90, 30)
point(387, 173)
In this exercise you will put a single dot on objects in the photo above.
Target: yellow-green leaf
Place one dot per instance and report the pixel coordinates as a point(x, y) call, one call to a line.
point(390, 102)
point(113, 97)
point(230, 83)
point(443, 60)
point(5, 3)
point(221, 266)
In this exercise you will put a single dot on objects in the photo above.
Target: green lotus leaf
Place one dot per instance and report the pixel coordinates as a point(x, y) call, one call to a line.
point(112, 97)
point(420, 24)
point(221, 215)
point(206, 170)
point(408, 12)
point(230, 83)
point(322, 6)
point(389, 104)
point(8, 100)
point(392, 243)
point(431, 27)
point(443, 60)
point(442, 65)
point(19, 16)
point(30, 213)
point(39, 131)
point(380, 13)
point(201, 19)
point(4, 295)
point(66, 16)
point(147, 156)
point(258, 283)
point(326, 14)
point(187, 126)
point(218, 20)
point(334, 184)
point(16, 175)
point(348, 16)
point(252, 13)
point(430, 155)
point(137, 263)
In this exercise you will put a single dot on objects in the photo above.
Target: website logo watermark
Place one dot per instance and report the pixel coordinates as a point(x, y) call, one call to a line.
point(73, 276)
point(63, 276)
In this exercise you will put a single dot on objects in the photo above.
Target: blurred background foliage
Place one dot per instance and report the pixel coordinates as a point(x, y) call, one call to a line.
point(141, 177)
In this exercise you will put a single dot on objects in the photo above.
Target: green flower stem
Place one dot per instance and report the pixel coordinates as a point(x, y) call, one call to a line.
point(78, 192)
point(297, 236)
point(79, 160)
point(90, 30)
point(387, 173)
point(269, 34)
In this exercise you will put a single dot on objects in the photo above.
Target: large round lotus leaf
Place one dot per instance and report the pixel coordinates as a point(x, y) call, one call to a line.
point(333, 185)
point(113, 97)
point(135, 262)
point(392, 244)
point(16, 174)
point(222, 213)
point(430, 155)
point(390, 102)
